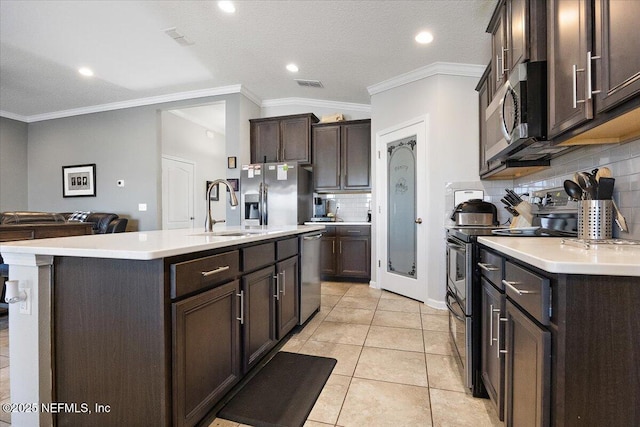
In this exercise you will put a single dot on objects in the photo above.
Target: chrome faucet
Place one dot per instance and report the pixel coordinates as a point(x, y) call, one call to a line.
point(209, 221)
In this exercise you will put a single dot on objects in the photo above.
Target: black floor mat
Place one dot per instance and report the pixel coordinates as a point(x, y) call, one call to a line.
point(282, 393)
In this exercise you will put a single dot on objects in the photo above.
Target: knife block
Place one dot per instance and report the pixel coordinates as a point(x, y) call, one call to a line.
point(525, 218)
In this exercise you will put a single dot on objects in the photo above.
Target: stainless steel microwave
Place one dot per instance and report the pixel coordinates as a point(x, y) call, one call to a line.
point(517, 115)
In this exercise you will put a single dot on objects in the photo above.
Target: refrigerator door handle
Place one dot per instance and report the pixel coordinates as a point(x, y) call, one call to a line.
point(264, 218)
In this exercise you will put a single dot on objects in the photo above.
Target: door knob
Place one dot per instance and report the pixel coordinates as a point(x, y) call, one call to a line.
point(418, 221)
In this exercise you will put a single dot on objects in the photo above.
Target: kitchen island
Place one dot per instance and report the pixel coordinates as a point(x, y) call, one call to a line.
point(560, 331)
point(145, 328)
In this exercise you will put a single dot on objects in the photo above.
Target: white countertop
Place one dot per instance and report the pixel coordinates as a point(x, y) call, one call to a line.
point(338, 223)
point(146, 245)
point(548, 254)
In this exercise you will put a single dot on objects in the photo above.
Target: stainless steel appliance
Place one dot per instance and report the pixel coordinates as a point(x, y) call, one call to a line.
point(275, 194)
point(309, 275)
point(517, 115)
point(475, 212)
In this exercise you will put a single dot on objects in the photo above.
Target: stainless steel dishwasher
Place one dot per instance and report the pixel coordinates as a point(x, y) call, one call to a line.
point(309, 275)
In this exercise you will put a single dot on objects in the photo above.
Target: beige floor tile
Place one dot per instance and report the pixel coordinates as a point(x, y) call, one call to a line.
point(310, 327)
point(404, 305)
point(357, 302)
point(5, 416)
point(219, 422)
point(452, 408)
point(294, 344)
point(377, 403)
point(346, 354)
point(397, 319)
point(395, 338)
point(310, 423)
point(363, 291)
point(4, 361)
point(436, 342)
point(403, 367)
point(350, 315)
point(328, 300)
point(342, 333)
point(5, 392)
point(425, 309)
point(391, 295)
point(444, 373)
point(4, 342)
point(334, 288)
point(431, 322)
point(329, 403)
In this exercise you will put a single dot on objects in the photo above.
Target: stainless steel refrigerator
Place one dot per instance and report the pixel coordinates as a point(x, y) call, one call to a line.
point(275, 194)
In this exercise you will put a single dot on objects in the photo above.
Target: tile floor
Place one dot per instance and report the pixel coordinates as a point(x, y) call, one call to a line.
point(394, 363)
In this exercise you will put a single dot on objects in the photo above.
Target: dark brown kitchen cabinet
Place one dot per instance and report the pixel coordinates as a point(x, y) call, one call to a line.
point(287, 299)
point(492, 339)
point(593, 65)
point(346, 253)
point(499, 49)
point(206, 351)
point(258, 315)
point(282, 139)
point(342, 156)
point(484, 89)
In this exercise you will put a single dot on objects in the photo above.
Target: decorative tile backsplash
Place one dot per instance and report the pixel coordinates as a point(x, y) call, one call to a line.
point(349, 207)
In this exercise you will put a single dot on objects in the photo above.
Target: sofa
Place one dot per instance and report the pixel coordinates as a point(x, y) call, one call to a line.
point(102, 222)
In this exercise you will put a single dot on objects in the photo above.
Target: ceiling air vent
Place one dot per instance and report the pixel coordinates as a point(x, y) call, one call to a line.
point(309, 83)
point(178, 37)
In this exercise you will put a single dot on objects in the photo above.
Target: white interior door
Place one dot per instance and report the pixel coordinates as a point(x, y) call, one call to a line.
point(401, 198)
point(177, 193)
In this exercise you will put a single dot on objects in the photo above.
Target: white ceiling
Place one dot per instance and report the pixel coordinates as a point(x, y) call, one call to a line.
point(348, 45)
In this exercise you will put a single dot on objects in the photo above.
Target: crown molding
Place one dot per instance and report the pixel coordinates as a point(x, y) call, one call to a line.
point(320, 103)
point(12, 116)
point(180, 96)
point(445, 68)
point(251, 96)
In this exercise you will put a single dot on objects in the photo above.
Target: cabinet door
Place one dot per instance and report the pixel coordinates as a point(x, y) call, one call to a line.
point(259, 331)
point(617, 42)
point(295, 142)
point(326, 157)
point(328, 256)
point(287, 300)
point(265, 141)
point(517, 33)
point(527, 371)
point(354, 258)
point(356, 156)
point(483, 103)
point(492, 359)
point(206, 351)
point(569, 29)
point(499, 52)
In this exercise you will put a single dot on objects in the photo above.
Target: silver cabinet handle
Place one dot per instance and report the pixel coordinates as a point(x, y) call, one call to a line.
point(354, 231)
point(504, 70)
point(497, 72)
point(241, 318)
point(277, 295)
point(340, 246)
point(491, 325)
point(488, 267)
point(333, 247)
point(516, 290)
point(574, 74)
point(284, 283)
point(590, 90)
point(314, 237)
point(502, 319)
point(216, 271)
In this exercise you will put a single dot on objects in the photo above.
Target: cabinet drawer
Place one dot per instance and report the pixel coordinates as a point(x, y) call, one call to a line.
point(287, 248)
point(491, 266)
point(189, 276)
point(257, 256)
point(529, 290)
point(353, 230)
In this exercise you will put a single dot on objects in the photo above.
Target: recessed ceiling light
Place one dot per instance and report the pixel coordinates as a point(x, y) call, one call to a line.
point(88, 72)
point(227, 6)
point(293, 68)
point(424, 37)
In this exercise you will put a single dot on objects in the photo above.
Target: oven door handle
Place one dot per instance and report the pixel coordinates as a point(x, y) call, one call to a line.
point(450, 307)
point(455, 246)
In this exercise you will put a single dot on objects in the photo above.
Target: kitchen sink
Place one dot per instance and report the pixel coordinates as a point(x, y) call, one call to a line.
point(232, 233)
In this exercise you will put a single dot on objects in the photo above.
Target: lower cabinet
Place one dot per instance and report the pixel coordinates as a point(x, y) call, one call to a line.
point(527, 370)
point(346, 252)
point(206, 351)
point(492, 365)
point(287, 299)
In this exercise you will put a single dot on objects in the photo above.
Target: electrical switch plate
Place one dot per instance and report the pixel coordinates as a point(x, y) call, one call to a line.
point(142, 207)
point(25, 305)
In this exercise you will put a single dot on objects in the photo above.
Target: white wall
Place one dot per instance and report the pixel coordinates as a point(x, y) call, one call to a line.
point(13, 165)
point(451, 104)
point(287, 106)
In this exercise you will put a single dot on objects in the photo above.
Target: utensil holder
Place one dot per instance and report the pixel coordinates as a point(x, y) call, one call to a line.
point(594, 219)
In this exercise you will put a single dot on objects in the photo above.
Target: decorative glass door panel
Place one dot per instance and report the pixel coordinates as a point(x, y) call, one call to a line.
point(401, 223)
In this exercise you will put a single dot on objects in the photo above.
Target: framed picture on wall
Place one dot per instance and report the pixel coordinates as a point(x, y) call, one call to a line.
point(79, 181)
point(215, 194)
point(235, 184)
point(231, 162)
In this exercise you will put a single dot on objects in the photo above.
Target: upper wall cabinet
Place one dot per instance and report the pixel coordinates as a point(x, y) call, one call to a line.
point(593, 67)
point(518, 34)
point(282, 139)
point(342, 156)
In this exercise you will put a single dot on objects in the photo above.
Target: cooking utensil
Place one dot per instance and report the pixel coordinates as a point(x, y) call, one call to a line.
point(573, 190)
point(619, 219)
point(585, 180)
point(603, 173)
point(605, 188)
point(514, 195)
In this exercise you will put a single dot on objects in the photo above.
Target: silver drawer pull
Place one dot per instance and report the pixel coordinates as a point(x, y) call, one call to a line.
point(241, 318)
point(516, 290)
point(217, 270)
point(354, 231)
point(488, 267)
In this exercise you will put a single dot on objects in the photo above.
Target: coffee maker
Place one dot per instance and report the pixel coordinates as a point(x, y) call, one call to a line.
point(319, 207)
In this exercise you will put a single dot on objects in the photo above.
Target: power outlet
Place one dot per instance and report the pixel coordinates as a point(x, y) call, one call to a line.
point(25, 305)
